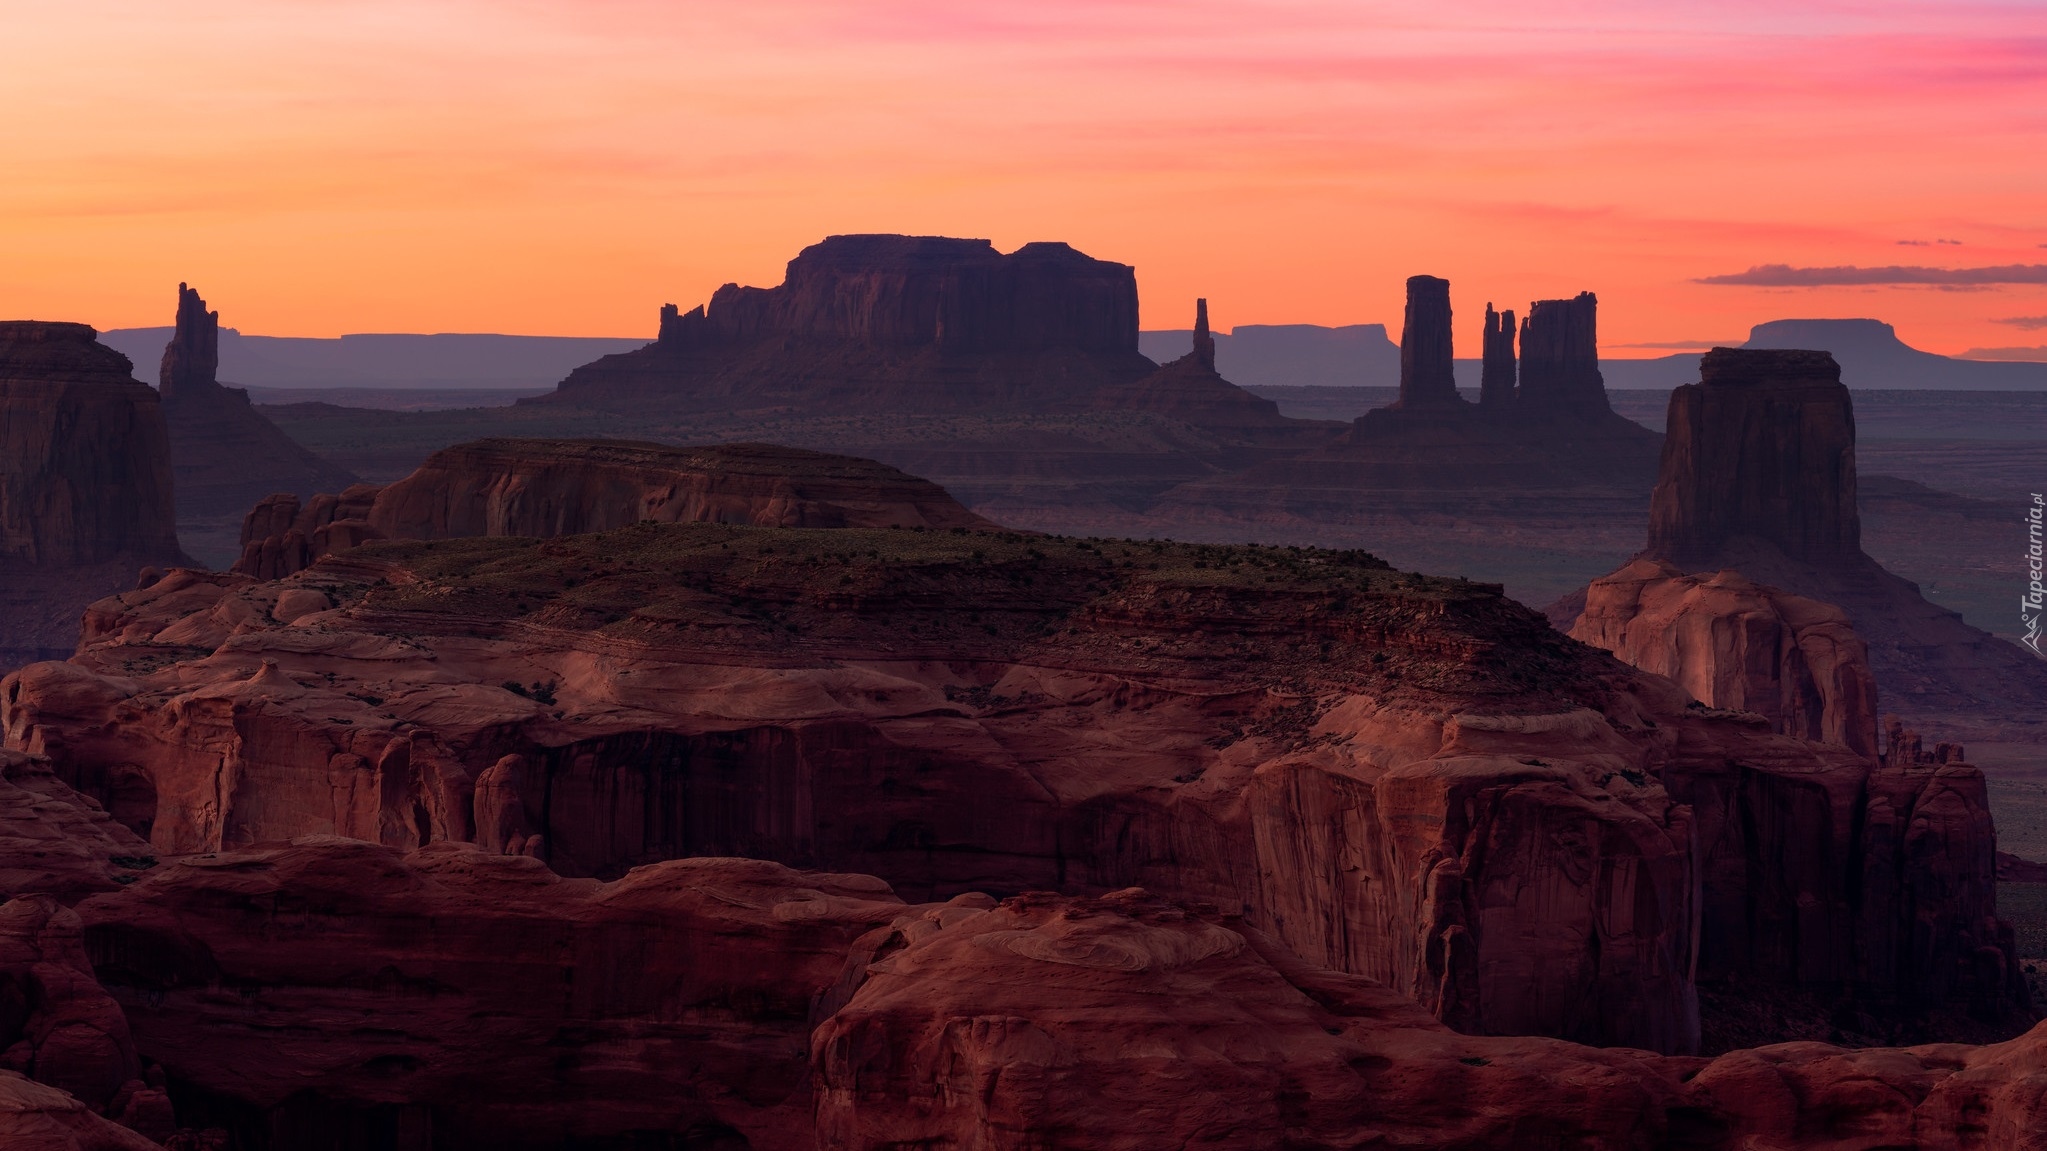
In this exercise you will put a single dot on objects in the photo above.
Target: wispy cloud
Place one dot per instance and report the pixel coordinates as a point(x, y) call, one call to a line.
point(2030, 323)
point(1685, 345)
point(1786, 276)
point(1928, 243)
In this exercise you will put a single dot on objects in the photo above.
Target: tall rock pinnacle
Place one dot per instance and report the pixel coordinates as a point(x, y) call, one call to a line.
point(1496, 386)
point(1426, 375)
point(1204, 344)
point(192, 358)
point(1560, 355)
point(1762, 447)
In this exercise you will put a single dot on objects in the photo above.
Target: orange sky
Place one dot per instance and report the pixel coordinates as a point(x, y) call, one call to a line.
point(327, 166)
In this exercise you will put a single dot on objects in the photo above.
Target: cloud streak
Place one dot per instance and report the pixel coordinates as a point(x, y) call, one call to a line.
point(2029, 323)
point(1786, 276)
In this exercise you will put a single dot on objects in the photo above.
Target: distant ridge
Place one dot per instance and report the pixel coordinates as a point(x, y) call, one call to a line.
point(385, 360)
point(1292, 355)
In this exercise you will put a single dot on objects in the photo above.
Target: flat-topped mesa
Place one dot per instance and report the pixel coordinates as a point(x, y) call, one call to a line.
point(1204, 343)
point(907, 291)
point(1560, 356)
point(1496, 385)
point(546, 488)
point(1763, 448)
point(192, 359)
point(1427, 370)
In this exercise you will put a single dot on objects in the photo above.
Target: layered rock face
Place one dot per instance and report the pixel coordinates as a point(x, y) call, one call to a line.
point(1499, 375)
point(1560, 356)
point(889, 321)
point(85, 483)
point(452, 997)
point(1375, 768)
point(224, 453)
point(1733, 643)
point(1426, 358)
point(1762, 447)
point(547, 488)
point(1758, 476)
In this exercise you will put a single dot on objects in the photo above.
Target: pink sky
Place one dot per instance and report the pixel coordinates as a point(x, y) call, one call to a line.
point(565, 168)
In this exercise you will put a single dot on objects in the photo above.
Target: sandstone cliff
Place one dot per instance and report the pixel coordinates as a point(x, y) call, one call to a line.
point(1758, 476)
point(1373, 767)
point(224, 454)
point(85, 483)
point(547, 488)
point(1736, 644)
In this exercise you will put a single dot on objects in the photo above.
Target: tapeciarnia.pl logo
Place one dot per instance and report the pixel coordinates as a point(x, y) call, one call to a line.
point(2036, 595)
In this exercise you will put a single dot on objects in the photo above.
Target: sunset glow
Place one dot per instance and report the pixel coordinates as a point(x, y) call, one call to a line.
point(566, 168)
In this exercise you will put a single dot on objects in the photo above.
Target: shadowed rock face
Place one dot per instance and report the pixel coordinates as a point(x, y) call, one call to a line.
point(1496, 383)
point(1758, 477)
point(547, 488)
point(1763, 446)
point(1736, 644)
point(1369, 765)
point(85, 483)
point(926, 322)
point(1560, 355)
point(1426, 357)
point(224, 453)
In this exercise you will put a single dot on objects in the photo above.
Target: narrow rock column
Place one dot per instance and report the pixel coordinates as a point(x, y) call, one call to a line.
point(1204, 344)
point(192, 358)
point(1496, 386)
point(1426, 372)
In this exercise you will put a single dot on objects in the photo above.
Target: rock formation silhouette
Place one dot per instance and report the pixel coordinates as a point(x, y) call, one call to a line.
point(1427, 377)
point(224, 453)
point(1497, 381)
point(1560, 357)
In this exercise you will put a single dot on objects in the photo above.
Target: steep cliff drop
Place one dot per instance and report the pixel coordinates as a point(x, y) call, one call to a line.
point(85, 484)
point(547, 488)
point(1758, 477)
point(224, 454)
point(1369, 765)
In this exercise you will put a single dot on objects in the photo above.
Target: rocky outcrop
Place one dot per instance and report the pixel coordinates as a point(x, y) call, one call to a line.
point(1736, 644)
point(1189, 392)
point(224, 453)
point(56, 842)
point(546, 488)
point(85, 483)
point(34, 1117)
point(1374, 767)
point(1426, 358)
point(1758, 476)
point(1762, 448)
point(1498, 375)
point(877, 322)
point(1560, 356)
point(451, 997)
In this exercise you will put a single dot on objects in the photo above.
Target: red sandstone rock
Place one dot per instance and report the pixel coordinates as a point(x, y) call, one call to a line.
point(85, 482)
point(54, 841)
point(224, 453)
point(1408, 779)
point(1762, 448)
point(38, 1118)
point(1736, 644)
point(459, 998)
point(549, 488)
point(1758, 476)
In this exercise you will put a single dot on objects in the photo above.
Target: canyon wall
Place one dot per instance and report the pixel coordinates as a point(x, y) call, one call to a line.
point(1373, 767)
